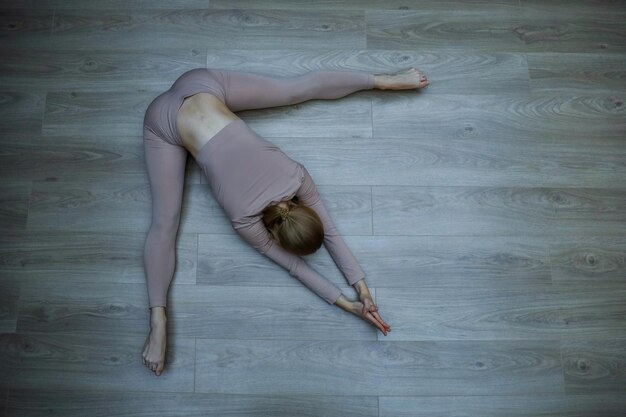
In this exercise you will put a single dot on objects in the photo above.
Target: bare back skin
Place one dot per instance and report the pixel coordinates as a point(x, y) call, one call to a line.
point(199, 118)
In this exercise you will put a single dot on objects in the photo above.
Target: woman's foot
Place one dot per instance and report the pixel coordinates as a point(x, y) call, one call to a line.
point(154, 348)
point(403, 80)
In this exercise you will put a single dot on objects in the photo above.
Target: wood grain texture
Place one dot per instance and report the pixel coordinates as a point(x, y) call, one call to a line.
point(514, 117)
point(21, 112)
point(114, 257)
point(594, 365)
point(92, 362)
point(96, 70)
point(577, 72)
point(14, 205)
point(487, 211)
point(401, 368)
point(557, 405)
point(9, 293)
point(506, 312)
point(38, 403)
point(215, 29)
point(592, 260)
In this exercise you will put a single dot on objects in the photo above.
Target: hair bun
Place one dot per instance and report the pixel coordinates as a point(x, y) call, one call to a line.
point(283, 212)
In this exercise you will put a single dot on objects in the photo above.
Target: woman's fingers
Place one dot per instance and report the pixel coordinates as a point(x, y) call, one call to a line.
point(376, 323)
point(377, 316)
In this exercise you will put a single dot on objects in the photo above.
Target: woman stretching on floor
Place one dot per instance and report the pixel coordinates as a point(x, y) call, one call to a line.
point(270, 199)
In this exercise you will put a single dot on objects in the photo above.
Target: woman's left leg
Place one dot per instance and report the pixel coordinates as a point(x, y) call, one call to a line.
point(246, 91)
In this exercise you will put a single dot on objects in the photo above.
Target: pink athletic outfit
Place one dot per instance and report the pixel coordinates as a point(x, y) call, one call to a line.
point(246, 172)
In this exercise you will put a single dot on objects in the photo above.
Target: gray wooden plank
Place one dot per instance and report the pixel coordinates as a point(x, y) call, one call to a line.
point(126, 207)
point(14, 204)
point(486, 27)
point(591, 211)
point(463, 157)
point(377, 368)
point(594, 365)
point(86, 113)
point(9, 295)
point(453, 26)
point(90, 158)
point(462, 211)
point(554, 405)
point(104, 4)
point(96, 70)
point(577, 72)
point(91, 362)
point(539, 115)
point(504, 312)
point(347, 4)
point(263, 312)
point(21, 112)
point(568, 27)
point(38, 403)
point(388, 261)
point(24, 28)
point(592, 260)
point(122, 113)
point(106, 308)
point(452, 73)
point(112, 257)
point(77, 206)
point(216, 29)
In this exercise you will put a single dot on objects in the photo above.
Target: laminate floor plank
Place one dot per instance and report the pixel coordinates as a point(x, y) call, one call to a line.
point(90, 363)
point(594, 365)
point(122, 113)
point(96, 70)
point(462, 157)
point(216, 29)
point(49, 257)
point(398, 368)
point(38, 403)
point(389, 262)
point(126, 207)
point(590, 259)
point(9, 294)
point(508, 312)
point(21, 112)
point(14, 205)
point(536, 115)
point(554, 405)
point(581, 73)
point(105, 4)
point(24, 28)
point(498, 28)
point(352, 4)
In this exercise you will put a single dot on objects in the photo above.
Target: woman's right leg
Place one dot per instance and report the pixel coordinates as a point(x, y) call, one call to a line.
point(166, 171)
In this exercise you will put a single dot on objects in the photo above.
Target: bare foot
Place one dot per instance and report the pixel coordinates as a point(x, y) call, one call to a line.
point(154, 348)
point(403, 80)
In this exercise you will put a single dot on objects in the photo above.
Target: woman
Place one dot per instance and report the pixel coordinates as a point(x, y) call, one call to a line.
point(270, 199)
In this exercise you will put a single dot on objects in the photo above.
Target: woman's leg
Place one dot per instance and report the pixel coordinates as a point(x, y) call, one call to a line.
point(246, 91)
point(166, 171)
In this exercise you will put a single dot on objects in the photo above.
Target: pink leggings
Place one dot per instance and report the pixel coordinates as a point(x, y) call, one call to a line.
point(166, 156)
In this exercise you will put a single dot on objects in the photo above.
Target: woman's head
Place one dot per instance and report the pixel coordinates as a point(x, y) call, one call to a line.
point(295, 227)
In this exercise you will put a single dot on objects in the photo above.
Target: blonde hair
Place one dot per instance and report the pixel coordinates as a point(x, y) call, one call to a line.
point(297, 228)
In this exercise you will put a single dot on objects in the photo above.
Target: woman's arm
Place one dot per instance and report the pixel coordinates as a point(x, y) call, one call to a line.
point(259, 237)
point(334, 243)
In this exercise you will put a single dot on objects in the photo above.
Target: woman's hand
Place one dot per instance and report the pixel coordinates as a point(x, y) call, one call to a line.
point(368, 311)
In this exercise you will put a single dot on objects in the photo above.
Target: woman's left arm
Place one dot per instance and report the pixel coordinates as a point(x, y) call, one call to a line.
point(344, 259)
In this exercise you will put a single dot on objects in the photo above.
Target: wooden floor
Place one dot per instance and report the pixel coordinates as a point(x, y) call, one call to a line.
point(488, 212)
